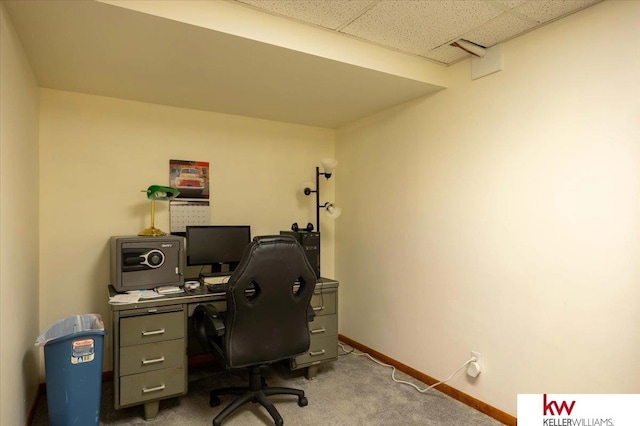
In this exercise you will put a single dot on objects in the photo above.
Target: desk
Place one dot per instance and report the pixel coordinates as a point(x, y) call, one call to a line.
point(150, 343)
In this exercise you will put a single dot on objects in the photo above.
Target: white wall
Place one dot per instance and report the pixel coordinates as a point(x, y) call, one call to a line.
point(501, 215)
point(18, 228)
point(97, 154)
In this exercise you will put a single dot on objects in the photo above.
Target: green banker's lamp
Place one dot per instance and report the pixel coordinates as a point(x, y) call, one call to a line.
point(160, 193)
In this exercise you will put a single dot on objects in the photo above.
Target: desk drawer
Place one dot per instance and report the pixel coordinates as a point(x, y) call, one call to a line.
point(321, 349)
point(152, 356)
point(324, 325)
point(151, 328)
point(138, 388)
point(324, 303)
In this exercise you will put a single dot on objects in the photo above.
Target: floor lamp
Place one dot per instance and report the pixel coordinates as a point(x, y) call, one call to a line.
point(331, 210)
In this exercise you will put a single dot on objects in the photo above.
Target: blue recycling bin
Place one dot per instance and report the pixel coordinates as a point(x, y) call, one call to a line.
point(73, 350)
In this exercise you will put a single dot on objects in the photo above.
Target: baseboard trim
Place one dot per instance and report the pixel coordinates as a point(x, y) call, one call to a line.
point(34, 406)
point(201, 360)
point(454, 393)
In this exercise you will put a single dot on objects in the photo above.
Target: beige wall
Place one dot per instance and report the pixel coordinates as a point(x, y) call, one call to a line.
point(501, 215)
point(18, 229)
point(98, 153)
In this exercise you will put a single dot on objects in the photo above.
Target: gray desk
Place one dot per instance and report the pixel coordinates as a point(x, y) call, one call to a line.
point(150, 341)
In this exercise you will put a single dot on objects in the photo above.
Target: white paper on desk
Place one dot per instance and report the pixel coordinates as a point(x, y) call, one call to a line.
point(120, 299)
point(145, 294)
point(168, 289)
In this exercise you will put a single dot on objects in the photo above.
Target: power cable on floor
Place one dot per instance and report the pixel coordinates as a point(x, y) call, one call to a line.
point(393, 373)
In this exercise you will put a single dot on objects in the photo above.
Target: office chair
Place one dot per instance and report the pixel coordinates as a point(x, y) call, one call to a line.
point(263, 325)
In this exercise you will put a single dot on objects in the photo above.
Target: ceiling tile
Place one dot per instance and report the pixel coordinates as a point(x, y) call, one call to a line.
point(546, 10)
point(416, 26)
point(420, 27)
point(510, 4)
point(499, 29)
point(326, 13)
point(445, 54)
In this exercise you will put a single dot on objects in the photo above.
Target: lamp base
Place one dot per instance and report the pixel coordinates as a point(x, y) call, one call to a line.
point(152, 232)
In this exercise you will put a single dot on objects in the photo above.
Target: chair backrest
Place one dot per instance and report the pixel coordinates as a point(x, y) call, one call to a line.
point(271, 324)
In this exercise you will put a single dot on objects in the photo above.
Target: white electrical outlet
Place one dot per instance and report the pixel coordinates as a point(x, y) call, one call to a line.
point(477, 356)
point(475, 367)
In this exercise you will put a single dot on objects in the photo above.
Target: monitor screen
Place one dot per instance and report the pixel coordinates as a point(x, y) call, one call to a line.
point(216, 245)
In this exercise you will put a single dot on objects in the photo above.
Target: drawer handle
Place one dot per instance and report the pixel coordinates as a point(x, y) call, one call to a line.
point(157, 388)
point(317, 353)
point(318, 308)
point(153, 333)
point(152, 361)
point(318, 330)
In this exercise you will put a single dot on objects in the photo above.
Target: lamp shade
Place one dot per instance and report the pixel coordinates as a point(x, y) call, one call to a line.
point(332, 211)
point(161, 193)
point(306, 187)
point(329, 164)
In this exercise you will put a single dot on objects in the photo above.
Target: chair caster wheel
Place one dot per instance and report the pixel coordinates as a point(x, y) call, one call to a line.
point(279, 422)
point(302, 401)
point(214, 401)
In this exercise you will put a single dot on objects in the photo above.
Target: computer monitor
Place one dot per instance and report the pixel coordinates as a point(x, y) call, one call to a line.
point(221, 247)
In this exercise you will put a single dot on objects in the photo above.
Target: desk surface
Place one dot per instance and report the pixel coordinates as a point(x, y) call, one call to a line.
point(198, 295)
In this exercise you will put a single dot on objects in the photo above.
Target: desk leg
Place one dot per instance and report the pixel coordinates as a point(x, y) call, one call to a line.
point(151, 410)
point(311, 372)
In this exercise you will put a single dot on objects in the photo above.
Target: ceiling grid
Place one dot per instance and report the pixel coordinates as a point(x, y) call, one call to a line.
point(425, 28)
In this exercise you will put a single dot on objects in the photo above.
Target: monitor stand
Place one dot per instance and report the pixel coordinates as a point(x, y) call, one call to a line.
point(217, 270)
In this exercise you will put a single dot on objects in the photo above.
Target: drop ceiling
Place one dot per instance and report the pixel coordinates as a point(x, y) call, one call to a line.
point(319, 63)
point(425, 28)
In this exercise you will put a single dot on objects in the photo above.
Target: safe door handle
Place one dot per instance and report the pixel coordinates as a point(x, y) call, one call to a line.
point(318, 330)
point(153, 333)
point(155, 389)
point(317, 353)
point(152, 361)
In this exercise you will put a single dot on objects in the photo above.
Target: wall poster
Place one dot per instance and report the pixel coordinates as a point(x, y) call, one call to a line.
point(191, 178)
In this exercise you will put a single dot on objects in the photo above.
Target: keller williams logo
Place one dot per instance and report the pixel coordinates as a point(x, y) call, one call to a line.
point(578, 409)
point(548, 407)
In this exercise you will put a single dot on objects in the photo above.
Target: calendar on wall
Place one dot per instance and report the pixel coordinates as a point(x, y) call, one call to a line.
point(191, 206)
point(186, 212)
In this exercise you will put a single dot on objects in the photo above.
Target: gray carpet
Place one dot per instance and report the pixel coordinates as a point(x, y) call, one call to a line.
point(351, 391)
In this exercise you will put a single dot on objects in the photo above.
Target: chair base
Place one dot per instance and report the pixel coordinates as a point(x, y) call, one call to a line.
point(256, 392)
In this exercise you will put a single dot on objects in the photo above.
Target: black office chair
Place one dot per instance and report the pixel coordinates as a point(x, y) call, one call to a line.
point(262, 326)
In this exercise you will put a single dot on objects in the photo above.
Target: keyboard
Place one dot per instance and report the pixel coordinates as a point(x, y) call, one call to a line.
point(169, 289)
point(217, 288)
point(218, 279)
